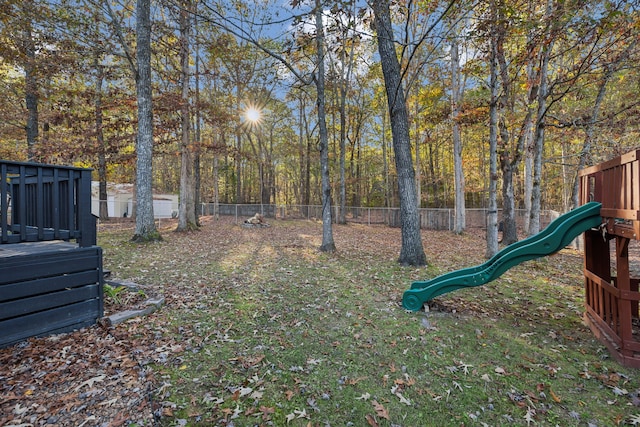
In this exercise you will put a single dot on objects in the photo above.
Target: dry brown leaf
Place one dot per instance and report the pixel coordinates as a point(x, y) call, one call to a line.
point(371, 421)
point(381, 411)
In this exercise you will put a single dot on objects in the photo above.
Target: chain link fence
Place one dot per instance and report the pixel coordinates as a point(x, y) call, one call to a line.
point(430, 218)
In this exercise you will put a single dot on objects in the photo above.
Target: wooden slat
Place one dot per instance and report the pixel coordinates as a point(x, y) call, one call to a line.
point(13, 291)
point(635, 185)
point(48, 301)
point(17, 269)
point(40, 205)
point(603, 327)
point(625, 158)
point(631, 346)
point(4, 205)
point(20, 217)
point(56, 320)
point(55, 204)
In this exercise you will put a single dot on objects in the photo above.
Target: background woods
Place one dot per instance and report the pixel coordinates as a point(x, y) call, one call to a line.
point(564, 96)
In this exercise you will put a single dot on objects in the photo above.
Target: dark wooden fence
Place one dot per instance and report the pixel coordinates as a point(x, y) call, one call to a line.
point(50, 269)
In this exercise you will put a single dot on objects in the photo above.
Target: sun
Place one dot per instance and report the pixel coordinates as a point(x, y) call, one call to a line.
point(253, 114)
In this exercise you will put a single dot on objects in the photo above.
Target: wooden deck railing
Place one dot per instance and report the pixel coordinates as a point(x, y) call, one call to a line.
point(44, 202)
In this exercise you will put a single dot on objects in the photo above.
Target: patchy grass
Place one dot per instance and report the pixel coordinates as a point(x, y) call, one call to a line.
point(260, 328)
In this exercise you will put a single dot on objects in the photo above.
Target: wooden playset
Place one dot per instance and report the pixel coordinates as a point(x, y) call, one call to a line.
point(611, 260)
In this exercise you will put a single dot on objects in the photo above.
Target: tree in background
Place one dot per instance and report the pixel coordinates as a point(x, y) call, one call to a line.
point(456, 99)
point(328, 244)
point(145, 222)
point(494, 88)
point(411, 252)
point(186, 213)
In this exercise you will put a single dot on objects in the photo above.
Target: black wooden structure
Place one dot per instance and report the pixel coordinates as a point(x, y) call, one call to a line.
point(51, 276)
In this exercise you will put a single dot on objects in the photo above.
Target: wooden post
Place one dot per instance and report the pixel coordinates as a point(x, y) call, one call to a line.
point(87, 222)
point(623, 283)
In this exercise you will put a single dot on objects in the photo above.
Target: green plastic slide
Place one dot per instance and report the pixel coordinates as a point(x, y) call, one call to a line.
point(549, 241)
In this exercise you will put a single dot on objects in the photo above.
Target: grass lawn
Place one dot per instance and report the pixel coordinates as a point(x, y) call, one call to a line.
point(260, 328)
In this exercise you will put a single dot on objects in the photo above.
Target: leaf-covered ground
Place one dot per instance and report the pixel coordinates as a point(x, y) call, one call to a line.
point(259, 328)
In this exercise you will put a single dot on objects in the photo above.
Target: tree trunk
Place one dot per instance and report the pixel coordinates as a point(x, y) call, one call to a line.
point(238, 163)
point(216, 181)
point(328, 244)
point(508, 164)
point(411, 252)
point(145, 224)
point(418, 167)
point(492, 213)
point(536, 194)
point(527, 129)
point(385, 162)
point(31, 87)
point(307, 169)
point(186, 213)
point(460, 208)
point(547, 47)
point(197, 200)
point(101, 149)
point(509, 229)
point(344, 88)
point(301, 153)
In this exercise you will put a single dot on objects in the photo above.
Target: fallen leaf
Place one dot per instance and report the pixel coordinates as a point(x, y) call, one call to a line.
point(266, 412)
point(257, 394)
point(109, 402)
point(403, 399)
point(19, 410)
point(619, 391)
point(90, 382)
point(92, 418)
point(120, 420)
point(529, 416)
point(245, 391)
point(381, 411)
point(371, 421)
point(635, 419)
point(301, 414)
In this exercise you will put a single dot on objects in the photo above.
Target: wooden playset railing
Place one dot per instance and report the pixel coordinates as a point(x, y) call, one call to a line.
point(611, 294)
point(45, 202)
